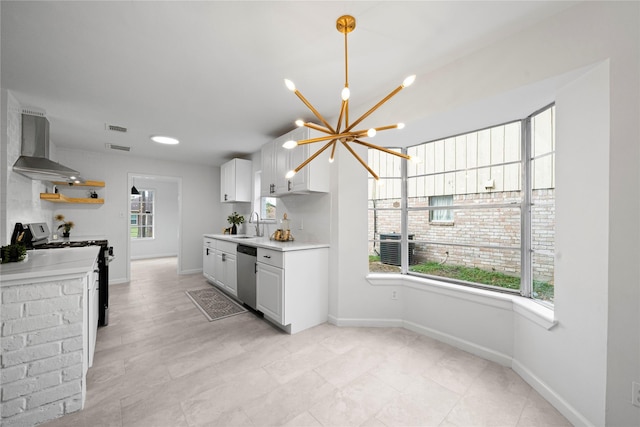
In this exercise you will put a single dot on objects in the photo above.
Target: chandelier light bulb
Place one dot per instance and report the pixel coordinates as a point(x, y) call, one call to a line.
point(290, 174)
point(346, 93)
point(400, 126)
point(331, 160)
point(371, 133)
point(408, 81)
point(299, 123)
point(290, 85)
point(415, 160)
point(290, 144)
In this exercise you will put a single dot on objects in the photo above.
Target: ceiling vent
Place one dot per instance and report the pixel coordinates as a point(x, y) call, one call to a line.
point(117, 147)
point(115, 128)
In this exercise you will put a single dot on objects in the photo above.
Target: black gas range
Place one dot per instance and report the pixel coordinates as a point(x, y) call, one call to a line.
point(36, 236)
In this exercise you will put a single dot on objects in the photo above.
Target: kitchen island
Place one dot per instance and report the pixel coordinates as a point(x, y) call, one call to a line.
point(48, 333)
point(291, 278)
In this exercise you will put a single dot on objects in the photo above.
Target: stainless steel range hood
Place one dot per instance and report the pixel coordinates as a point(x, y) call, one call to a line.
point(34, 161)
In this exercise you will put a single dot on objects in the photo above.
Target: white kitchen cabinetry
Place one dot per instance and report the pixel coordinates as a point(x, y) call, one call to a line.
point(209, 259)
point(268, 175)
point(235, 181)
point(277, 161)
point(270, 297)
point(292, 287)
point(93, 304)
point(226, 267)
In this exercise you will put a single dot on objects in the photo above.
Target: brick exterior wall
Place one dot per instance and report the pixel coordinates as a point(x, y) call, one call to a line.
point(41, 365)
point(499, 227)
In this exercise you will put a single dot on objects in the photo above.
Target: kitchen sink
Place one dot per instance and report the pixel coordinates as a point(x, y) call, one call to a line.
point(243, 237)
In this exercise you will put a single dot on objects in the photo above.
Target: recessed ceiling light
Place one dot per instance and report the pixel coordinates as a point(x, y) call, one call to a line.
point(164, 140)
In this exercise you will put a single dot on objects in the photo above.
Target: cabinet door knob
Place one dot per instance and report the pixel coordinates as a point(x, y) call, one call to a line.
point(224, 257)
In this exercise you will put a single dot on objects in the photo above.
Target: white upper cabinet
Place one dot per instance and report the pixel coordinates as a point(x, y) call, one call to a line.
point(235, 181)
point(268, 175)
point(277, 161)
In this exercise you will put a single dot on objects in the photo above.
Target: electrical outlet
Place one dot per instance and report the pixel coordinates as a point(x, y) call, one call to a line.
point(394, 295)
point(635, 393)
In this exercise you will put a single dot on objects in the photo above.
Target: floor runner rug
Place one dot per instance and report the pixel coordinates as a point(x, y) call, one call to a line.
point(214, 304)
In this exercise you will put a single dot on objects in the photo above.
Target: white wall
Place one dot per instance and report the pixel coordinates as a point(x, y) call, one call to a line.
point(165, 219)
point(582, 109)
point(586, 364)
point(201, 210)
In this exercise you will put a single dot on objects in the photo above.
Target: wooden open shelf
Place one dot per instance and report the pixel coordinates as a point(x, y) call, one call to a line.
point(86, 184)
point(61, 198)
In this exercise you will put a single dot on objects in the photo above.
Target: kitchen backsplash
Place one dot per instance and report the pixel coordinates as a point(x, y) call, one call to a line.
point(22, 200)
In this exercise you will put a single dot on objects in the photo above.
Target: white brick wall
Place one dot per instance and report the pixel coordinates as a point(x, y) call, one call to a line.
point(41, 365)
point(20, 196)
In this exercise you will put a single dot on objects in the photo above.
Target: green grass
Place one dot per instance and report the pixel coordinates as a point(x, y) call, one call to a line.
point(542, 290)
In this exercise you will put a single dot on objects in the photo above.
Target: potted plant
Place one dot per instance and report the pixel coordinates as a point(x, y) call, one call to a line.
point(235, 219)
point(13, 253)
point(66, 225)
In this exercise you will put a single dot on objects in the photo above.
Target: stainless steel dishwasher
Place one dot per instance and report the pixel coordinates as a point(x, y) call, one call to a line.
point(247, 275)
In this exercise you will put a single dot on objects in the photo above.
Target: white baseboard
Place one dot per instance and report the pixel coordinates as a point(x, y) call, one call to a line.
point(370, 323)
point(152, 256)
point(194, 271)
point(550, 395)
point(478, 350)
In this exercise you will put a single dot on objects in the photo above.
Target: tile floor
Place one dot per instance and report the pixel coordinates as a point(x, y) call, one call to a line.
point(159, 362)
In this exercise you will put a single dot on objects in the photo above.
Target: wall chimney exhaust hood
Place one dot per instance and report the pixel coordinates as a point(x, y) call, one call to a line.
point(34, 161)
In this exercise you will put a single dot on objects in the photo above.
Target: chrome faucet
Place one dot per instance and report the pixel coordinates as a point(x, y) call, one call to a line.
point(258, 232)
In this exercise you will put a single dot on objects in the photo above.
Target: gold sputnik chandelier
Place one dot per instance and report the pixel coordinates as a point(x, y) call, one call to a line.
point(344, 135)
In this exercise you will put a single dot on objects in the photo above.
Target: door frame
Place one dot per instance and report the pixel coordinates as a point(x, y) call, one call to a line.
point(162, 178)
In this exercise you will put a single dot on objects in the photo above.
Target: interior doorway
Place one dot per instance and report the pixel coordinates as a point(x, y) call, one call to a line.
point(154, 218)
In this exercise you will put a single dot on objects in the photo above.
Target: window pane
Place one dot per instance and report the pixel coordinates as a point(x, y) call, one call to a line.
point(543, 204)
point(482, 242)
point(142, 210)
point(268, 208)
point(543, 267)
point(469, 265)
point(384, 197)
point(472, 227)
point(441, 215)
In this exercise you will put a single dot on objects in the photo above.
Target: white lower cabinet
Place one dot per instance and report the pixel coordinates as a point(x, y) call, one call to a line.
point(209, 259)
point(226, 266)
point(270, 292)
point(292, 287)
point(219, 264)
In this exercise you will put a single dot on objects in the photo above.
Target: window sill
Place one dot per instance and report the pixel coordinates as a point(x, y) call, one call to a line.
point(442, 223)
point(524, 307)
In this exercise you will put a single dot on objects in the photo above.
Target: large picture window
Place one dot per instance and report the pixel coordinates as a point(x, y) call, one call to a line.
point(493, 189)
point(142, 212)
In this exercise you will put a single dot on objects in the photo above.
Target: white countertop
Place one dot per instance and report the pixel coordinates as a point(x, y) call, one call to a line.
point(43, 263)
point(265, 242)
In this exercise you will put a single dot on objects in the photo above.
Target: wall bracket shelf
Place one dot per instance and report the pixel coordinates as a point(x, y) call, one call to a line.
point(61, 198)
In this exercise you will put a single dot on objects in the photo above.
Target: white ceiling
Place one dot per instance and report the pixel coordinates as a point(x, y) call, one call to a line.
point(210, 73)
